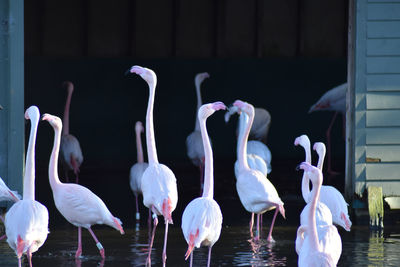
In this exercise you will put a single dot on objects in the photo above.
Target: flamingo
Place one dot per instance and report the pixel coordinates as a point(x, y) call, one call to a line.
point(159, 189)
point(27, 221)
point(79, 206)
point(254, 147)
point(314, 250)
point(71, 153)
point(137, 170)
point(255, 191)
point(194, 143)
point(332, 100)
point(254, 161)
point(331, 196)
point(323, 213)
point(202, 217)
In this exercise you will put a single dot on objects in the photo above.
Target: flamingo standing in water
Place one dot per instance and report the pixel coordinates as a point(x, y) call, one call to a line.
point(255, 162)
point(255, 191)
point(71, 153)
point(159, 189)
point(194, 143)
point(27, 221)
point(202, 217)
point(137, 170)
point(332, 100)
point(79, 206)
point(331, 196)
point(312, 250)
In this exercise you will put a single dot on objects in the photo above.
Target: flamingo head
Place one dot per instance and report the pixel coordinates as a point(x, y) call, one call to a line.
point(69, 85)
point(147, 74)
point(302, 140)
point(319, 147)
point(199, 78)
point(244, 106)
point(139, 127)
point(207, 110)
point(314, 174)
point(32, 113)
point(54, 121)
point(229, 113)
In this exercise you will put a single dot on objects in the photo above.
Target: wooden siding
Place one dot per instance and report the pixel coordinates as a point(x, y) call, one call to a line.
point(185, 28)
point(377, 101)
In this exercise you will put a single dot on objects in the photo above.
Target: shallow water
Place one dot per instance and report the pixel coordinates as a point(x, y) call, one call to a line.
point(361, 247)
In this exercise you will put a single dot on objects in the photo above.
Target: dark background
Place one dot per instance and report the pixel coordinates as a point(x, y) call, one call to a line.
point(279, 55)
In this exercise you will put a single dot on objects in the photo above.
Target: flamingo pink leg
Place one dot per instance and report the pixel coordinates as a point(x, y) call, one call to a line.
point(3, 237)
point(191, 259)
point(258, 227)
point(209, 256)
point(164, 253)
point(269, 238)
point(148, 262)
point(251, 225)
point(137, 209)
point(79, 250)
point(98, 244)
point(29, 256)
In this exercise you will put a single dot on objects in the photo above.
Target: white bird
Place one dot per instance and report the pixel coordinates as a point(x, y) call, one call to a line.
point(331, 197)
point(332, 100)
point(194, 143)
point(27, 221)
point(202, 217)
point(255, 191)
point(254, 147)
point(255, 162)
point(79, 206)
point(159, 189)
point(71, 152)
point(137, 170)
point(323, 214)
point(314, 250)
point(260, 128)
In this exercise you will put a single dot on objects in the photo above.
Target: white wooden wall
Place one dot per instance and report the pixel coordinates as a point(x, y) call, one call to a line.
point(377, 96)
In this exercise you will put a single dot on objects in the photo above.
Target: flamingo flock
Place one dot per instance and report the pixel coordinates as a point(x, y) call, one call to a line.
point(317, 242)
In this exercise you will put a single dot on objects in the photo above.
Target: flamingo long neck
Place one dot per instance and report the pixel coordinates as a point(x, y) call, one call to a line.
point(29, 177)
point(314, 242)
point(305, 182)
point(53, 168)
point(208, 190)
point(321, 157)
point(65, 129)
point(139, 147)
point(150, 139)
point(244, 131)
point(199, 103)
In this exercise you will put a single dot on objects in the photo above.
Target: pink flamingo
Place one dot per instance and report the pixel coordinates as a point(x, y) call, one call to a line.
point(194, 143)
point(332, 100)
point(202, 217)
point(137, 170)
point(331, 197)
point(79, 206)
point(159, 189)
point(255, 191)
point(71, 153)
point(312, 249)
point(27, 221)
point(7, 195)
